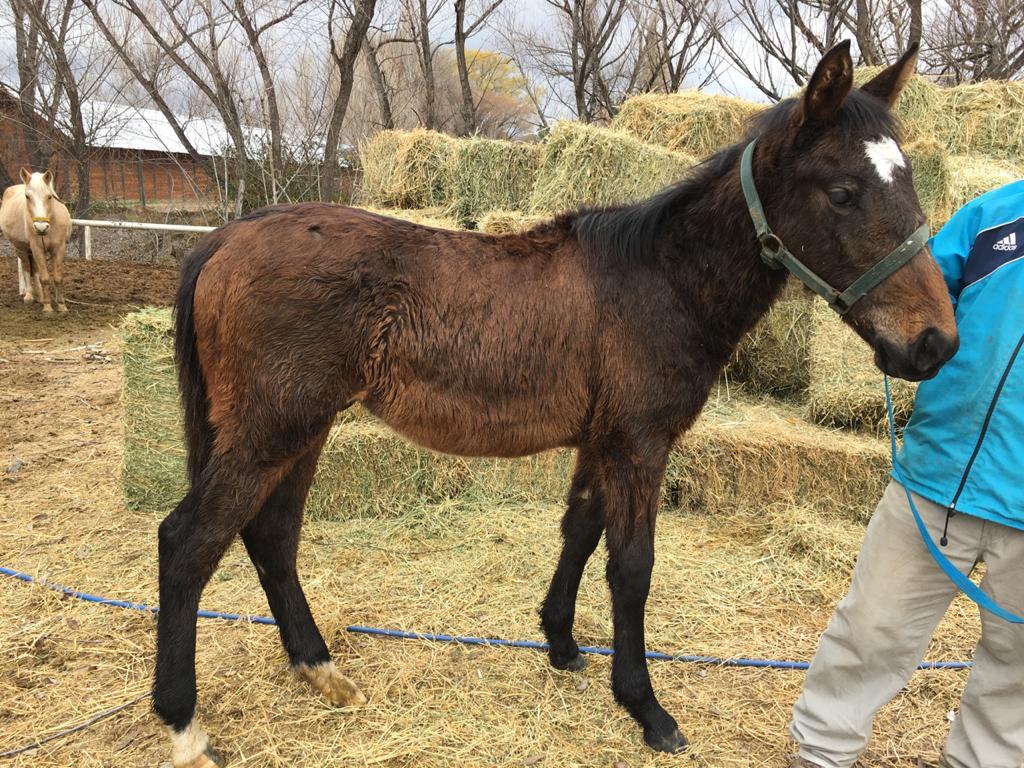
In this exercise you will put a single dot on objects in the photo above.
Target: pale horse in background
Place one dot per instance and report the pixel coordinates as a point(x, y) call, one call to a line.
point(38, 225)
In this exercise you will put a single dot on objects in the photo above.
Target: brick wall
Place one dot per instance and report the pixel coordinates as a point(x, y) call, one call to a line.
point(115, 174)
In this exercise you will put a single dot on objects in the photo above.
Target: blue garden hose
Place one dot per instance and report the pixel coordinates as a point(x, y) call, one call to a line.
point(460, 639)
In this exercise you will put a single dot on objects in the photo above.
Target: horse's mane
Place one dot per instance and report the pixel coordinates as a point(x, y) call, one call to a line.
point(630, 232)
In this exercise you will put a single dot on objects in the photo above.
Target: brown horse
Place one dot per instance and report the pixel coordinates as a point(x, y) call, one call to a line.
point(603, 330)
point(38, 225)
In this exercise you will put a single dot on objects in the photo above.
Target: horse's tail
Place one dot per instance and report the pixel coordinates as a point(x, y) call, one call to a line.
point(198, 431)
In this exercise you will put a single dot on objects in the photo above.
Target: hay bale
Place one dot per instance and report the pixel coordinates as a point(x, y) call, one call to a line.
point(690, 121)
point(434, 216)
point(740, 453)
point(744, 454)
point(586, 165)
point(971, 176)
point(984, 118)
point(509, 222)
point(488, 175)
point(377, 162)
point(407, 169)
point(919, 107)
point(929, 161)
point(846, 389)
point(153, 472)
point(366, 469)
point(774, 357)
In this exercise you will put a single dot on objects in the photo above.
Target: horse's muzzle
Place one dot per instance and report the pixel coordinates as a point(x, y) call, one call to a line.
point(41, 227)
point(920, 359)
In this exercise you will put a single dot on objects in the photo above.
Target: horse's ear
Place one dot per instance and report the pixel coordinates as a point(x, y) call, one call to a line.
point(829, 85)
point(48, 177)
point(26, 177)
point(888, 83)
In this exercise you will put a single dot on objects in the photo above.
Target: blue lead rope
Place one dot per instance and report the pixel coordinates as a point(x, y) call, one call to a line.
point(968, 587)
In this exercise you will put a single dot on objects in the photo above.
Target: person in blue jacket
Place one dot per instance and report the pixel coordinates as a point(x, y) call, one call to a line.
point(963, 462)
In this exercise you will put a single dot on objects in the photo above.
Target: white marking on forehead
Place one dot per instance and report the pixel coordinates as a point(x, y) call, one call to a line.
point(885, 155)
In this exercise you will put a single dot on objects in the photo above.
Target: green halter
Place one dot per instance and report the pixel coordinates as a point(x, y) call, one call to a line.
point(777, 256)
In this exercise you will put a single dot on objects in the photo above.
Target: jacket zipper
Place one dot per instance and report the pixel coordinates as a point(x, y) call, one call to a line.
point(951, 510)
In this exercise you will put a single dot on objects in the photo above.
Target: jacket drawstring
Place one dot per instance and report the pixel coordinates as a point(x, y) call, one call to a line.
point(945, 528)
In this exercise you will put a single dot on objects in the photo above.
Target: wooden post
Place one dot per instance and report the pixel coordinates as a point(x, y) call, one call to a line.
point(142, 180)
point(21, 278)
point(88, 244)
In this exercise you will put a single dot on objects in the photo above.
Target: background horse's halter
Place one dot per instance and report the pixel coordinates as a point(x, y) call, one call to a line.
point(775, 254)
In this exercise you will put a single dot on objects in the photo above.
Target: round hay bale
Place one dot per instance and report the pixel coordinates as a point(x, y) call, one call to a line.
point(930, 164)
point(586, 165)
point(488, 175)
point(407, 169)
point(690, 121)
point(972, 175)
point(846, 389)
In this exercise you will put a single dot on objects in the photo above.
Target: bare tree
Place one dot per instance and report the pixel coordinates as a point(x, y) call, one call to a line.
point(192, 37)
point(379, 79)
point(974, 40)
point(26, 34)
point(55, 33)
point(418, 16)
point(146, 74)
point(462, 33)
point(673, 38)
point(344, 58)
point(255, 30)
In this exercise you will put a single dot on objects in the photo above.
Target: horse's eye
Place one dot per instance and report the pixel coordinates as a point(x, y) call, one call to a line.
point(840, 196)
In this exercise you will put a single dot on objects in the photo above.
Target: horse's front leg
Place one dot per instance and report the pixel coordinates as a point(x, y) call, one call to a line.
point(632, 482)
point(42, 274)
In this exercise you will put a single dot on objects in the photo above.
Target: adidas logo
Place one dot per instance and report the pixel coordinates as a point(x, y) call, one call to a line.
point(1008, 243)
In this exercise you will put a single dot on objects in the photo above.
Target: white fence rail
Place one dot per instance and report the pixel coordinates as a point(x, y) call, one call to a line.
point(88, 224)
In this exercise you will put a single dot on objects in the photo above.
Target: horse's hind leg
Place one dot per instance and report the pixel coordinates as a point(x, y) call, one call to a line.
point(581, 532)
point(193, 538)
point(272, 540)
point(42, 275)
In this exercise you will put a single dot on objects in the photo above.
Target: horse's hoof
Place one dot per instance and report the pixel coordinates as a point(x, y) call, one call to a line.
point(331, 684)
point(62, 308)
point(47, 309)
point(190, 748)
point(575, 664)
point(672, 741)
point(28, 298)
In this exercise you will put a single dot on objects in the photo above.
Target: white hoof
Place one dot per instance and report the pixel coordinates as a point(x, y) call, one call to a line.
point(190, 748)
point(331, 684)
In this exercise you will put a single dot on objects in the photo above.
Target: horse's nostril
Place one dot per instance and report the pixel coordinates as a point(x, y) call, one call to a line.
point(931, 349)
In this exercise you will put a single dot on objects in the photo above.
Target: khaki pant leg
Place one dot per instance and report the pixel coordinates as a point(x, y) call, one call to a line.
point(989, 729)
point(881, 629)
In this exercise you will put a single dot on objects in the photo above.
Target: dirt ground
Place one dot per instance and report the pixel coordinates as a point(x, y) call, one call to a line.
point(725, 586)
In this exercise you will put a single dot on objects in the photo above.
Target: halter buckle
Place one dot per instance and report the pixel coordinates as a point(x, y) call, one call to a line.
point(771, 247)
